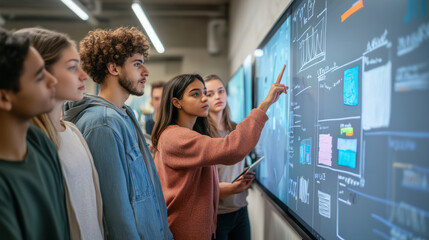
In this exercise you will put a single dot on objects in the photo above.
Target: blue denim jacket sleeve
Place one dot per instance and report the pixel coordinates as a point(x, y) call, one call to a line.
point(109, 154)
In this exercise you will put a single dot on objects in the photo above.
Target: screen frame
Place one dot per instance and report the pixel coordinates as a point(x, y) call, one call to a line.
point(299, 225)
point(248, 69)
point(234, 75)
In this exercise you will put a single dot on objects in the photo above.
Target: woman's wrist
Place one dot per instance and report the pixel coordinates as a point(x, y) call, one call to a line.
point(264, 105)
point(226, 190)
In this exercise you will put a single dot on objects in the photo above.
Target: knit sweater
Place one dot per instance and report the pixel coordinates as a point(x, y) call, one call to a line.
point(186, 163)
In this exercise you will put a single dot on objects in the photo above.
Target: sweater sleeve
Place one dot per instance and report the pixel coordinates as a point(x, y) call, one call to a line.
point(183, 148)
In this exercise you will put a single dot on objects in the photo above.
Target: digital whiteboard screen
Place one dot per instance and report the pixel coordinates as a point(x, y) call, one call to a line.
point(347, 150)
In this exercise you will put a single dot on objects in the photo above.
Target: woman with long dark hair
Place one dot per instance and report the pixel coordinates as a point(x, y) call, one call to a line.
point(186, 155)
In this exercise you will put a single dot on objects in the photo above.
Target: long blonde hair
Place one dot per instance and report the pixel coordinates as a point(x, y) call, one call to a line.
point(229, 125)
point(50, 45)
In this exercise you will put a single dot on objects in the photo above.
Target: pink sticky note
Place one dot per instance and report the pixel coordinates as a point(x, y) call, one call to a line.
point(325, 149)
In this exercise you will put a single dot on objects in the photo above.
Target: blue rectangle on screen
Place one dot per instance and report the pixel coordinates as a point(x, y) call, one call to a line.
point(347, 149)
point(305, 151)
point(351, 86)
point(347, 158)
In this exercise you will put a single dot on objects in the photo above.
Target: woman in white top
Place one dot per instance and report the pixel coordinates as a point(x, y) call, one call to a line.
point(83, 198)
point(232, 219)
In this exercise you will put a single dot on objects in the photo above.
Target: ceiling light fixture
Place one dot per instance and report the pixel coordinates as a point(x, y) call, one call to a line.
point(147, 27)
point(258, 53)
point(76, 9)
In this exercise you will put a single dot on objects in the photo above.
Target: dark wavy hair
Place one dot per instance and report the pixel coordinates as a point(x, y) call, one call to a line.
point(101, 47)
point(13, 50)
point(168, 114)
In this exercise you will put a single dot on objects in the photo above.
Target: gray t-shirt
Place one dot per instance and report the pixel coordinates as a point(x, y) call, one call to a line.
point(228, 174)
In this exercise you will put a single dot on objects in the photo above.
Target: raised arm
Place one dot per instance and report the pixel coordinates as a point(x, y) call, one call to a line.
point(184, 148)
point(275, 91)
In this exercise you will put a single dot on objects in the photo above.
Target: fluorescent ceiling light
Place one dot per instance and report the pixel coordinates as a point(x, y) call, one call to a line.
point(147, 27)
point(76, 9)
point(259, 53)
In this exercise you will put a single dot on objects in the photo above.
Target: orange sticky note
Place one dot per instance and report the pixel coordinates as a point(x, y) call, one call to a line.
point(352, 10)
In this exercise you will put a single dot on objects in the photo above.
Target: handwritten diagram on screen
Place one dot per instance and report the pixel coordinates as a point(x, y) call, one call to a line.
point(275, 54)
point(347, 151)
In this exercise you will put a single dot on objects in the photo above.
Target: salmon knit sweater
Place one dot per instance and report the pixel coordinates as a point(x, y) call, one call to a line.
point(186, 163)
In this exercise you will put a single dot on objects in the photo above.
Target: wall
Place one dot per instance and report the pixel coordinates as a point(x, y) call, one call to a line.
point(187, 60)
point(250, 22)
point(267, 223)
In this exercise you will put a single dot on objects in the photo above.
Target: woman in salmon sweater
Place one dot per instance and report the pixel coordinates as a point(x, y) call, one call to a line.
point(186, 156)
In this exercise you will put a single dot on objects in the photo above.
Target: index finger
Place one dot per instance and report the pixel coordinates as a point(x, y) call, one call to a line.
point(279, 78)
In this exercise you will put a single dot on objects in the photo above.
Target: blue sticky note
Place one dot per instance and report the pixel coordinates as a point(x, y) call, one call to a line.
point(347, 158)
point(347, 149)
point(416, 10)
point(305, 151)
point(351, 86)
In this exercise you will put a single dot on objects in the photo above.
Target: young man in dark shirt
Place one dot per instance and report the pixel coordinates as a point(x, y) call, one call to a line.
point(32, 203)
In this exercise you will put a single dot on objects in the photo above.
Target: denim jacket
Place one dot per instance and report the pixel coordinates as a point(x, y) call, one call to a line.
point(134, 205)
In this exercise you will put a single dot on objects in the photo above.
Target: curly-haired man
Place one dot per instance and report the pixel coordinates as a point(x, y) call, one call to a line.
point(32, 201)
point(133, 202)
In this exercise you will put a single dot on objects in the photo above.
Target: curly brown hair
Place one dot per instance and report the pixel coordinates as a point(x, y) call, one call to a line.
point(101, 47)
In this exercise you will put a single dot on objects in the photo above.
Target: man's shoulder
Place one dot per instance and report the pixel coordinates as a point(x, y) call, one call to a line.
point(98, 116)
point(93, 112)
point(38, 139)
point(40, 150)
point(34, 132)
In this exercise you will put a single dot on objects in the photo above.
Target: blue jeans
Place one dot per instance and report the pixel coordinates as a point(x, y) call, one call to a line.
point(233, 226)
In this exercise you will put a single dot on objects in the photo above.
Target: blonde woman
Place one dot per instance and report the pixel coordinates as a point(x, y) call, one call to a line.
point(83, 198)
point(232, 218)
